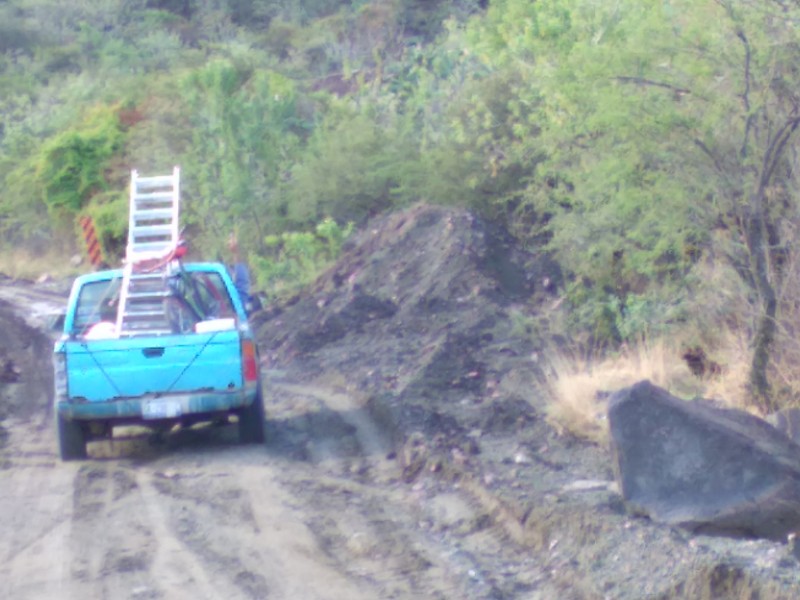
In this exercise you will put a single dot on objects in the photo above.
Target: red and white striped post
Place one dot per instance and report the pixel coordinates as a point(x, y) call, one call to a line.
point(92, 243)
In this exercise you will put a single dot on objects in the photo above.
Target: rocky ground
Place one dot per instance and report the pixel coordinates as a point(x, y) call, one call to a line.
point(408, 456)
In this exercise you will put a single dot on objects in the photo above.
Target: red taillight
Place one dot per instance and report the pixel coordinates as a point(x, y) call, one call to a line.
point(249, 364)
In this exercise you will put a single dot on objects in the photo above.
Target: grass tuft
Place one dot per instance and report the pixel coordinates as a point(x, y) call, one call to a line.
point(19, 263)
point(580, 385)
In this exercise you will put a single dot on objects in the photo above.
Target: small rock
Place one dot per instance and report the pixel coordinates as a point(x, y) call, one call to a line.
point(794, 545)
point(521, 458)
point(589, 485)
point(9, 373)
point(76, 260)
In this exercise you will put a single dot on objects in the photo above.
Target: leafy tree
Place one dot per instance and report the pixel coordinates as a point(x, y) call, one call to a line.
point(348, 170)
point(184, 8)
point(72, 165)
point(659, 125)
point(244, 131)
point(15, 34)
point(294, 258)
point(747, 137)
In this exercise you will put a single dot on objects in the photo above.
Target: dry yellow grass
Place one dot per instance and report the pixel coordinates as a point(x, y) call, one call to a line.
point(580, 386)
point(23, 264)
point(731, 386)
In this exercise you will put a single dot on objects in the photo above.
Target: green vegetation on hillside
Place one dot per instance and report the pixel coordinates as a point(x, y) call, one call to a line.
point(651, 146)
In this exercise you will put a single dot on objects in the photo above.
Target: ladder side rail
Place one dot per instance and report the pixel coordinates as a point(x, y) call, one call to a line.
point(129, 249)
point(176, 199)
point(122, 306)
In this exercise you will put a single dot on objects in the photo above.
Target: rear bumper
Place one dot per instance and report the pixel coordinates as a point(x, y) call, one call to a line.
point(181, 406)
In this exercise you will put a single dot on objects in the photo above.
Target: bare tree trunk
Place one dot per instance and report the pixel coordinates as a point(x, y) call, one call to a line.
point(765, 329)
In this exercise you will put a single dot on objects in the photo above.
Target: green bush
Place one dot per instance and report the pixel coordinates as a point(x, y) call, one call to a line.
point(351, 168)
point(109, 211)
point(295, 258)
point(72, 164)
point(61, 58)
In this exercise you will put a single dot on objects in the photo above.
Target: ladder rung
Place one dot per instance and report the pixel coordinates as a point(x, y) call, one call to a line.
point(134, 257)
point(149, 314)
point(142, 305)
point(146, 288)
point(143, 250)
point(160, 196)
point(138, 296)
point(149, 249)
point(145, 296)
point(149, 305)
point(151, 214)
point(148, 183)
point(151, 230)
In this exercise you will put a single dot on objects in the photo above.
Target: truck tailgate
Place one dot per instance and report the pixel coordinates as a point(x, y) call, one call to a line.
point(101, 370)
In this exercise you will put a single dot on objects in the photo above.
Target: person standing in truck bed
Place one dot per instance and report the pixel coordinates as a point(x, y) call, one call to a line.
point(240, 273)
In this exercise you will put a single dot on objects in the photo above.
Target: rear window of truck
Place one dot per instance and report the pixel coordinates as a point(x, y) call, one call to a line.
point(193, 296)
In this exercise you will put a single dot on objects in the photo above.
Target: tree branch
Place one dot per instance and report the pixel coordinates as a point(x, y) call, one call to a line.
point(746, 94)
point(649, 82)
point(707, 151)
point(776, 149)
point(747, 57)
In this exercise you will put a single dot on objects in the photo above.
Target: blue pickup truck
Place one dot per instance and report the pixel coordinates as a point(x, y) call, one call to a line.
point(199, 365)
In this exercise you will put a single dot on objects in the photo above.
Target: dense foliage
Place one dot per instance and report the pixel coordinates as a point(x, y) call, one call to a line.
point(649, 145)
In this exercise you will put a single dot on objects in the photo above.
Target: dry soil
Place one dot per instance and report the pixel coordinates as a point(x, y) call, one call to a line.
point(408, 456)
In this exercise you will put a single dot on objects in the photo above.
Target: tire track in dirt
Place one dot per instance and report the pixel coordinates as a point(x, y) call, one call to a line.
point(110, 541)
point(430, 538)
point(192, 523)
point(202, 517)
point(364, 516)
point(320, 512)
point(235, 518)
point(177, 571)
point(35, 515)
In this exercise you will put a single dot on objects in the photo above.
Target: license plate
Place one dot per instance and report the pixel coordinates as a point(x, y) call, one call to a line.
point(161, 409)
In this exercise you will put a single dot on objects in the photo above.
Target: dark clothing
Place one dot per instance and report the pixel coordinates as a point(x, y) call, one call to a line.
point(241, 280)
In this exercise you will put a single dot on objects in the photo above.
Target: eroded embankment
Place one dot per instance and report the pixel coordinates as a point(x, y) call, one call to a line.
point(419, 317)
point(25, 369)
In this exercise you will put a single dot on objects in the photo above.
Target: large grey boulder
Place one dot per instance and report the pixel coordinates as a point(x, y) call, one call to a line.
point(709, 469)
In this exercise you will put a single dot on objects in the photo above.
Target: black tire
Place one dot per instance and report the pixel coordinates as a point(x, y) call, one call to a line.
point(71, 439)
point(251, 421)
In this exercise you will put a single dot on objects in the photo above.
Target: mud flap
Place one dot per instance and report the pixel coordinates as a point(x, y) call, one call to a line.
point(251, 421)
point(71, 439)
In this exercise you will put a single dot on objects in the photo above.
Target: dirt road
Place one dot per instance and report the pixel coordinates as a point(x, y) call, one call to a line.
point(409, 456)
point(320, 511)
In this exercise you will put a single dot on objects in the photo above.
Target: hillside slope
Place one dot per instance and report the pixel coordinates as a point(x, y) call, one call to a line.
point(409, 456)
point(422, 318)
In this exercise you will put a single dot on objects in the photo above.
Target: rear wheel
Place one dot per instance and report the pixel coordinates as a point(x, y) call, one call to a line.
point(71, 439)
point(251, 421)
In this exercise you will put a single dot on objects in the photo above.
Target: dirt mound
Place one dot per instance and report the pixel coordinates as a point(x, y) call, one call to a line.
point(420, 310)
point(437, 321)
point(25, 372)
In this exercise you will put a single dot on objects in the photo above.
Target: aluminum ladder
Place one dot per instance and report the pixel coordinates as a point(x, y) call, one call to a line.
point(153, 237)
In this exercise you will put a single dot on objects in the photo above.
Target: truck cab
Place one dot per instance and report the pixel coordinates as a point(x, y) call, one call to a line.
point(195, 359)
